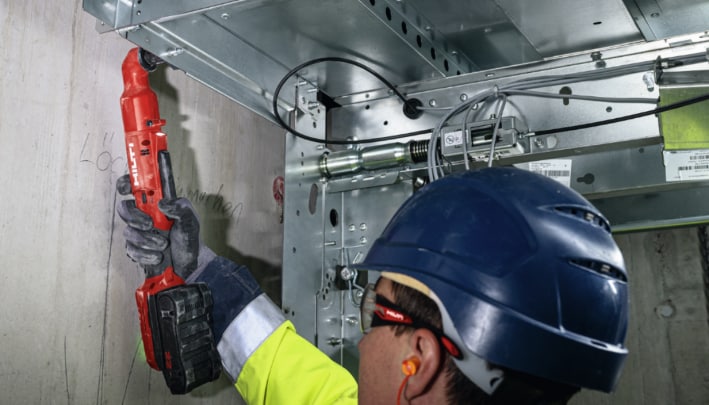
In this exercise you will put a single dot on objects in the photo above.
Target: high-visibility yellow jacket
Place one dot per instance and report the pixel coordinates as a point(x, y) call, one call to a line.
point(268, 362)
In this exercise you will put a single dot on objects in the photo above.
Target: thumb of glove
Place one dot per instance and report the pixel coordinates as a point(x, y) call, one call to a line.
point(184, 235)
point(123, 185)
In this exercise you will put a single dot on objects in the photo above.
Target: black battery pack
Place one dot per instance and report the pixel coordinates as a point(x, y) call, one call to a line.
point(183, 342)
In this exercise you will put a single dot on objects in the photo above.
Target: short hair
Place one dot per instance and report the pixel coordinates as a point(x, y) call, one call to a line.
point(517, 387)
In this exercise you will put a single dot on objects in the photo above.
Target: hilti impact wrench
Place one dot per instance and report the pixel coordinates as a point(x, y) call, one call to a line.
point(175, 318)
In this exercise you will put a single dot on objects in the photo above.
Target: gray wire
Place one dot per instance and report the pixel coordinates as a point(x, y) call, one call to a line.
point(434, 168)
point(433, 108)
point(631, 100)
point(522, 87)
point(501, 103)
point(465, 135)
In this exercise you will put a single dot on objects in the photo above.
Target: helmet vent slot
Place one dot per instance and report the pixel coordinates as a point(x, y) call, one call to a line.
point(585, 215)
point(601, 268)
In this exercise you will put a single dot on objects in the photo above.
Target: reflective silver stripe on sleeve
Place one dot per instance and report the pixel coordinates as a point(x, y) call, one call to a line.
point(246, 332)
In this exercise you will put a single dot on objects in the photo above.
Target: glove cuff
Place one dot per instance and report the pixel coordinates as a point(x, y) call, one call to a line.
point(204, 257)
point(233, 288)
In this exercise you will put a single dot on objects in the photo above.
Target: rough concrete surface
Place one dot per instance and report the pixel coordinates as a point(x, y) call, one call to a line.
point(69, 332)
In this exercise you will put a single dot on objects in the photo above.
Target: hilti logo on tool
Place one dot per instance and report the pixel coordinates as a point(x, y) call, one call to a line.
point(133, 165)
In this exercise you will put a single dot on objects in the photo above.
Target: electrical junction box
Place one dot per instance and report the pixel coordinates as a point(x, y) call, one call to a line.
point(477, 141)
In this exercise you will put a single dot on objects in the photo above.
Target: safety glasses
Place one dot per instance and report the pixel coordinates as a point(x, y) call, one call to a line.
point(375, 310)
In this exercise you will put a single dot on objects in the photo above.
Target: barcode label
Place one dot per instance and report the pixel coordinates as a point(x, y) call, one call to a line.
point(555, 173)
point(557, 169)
point(686, 165)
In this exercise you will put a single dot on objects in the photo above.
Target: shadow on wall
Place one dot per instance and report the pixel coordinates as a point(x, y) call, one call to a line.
point(215, 226)
point(217, 214)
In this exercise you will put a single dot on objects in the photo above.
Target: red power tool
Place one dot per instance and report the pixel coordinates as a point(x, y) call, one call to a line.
point(175, 318)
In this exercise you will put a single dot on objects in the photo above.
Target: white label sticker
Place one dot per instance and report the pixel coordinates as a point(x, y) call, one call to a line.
point(453, 138)
point(557, 169)
point(686, 165)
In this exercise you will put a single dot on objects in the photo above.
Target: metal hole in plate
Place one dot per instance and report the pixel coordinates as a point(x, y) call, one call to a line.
point(313, 199)
point(404, 28)
point(334, 217)
point(388, 13)
point(566, 90)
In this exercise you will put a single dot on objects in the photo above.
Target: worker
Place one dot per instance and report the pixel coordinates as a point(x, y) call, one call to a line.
point(497, 286)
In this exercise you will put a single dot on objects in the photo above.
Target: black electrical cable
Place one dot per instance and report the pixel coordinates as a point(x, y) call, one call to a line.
point(293, 71)
point(333, 141)
point(657, 110)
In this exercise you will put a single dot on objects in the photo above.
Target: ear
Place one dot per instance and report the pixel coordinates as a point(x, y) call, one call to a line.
point(424, 345)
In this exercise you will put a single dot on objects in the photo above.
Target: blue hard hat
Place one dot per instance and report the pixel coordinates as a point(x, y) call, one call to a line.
point(524, 270)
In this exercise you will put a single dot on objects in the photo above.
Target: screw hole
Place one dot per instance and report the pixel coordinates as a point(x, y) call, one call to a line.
point(419, 42)
point(388, 13)
point(404, 28)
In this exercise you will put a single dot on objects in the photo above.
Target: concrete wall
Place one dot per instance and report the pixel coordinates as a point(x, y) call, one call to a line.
point(668, 335)
point(68, 330)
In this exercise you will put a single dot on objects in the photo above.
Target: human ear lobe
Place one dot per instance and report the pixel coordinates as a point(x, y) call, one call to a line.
point(424, 347)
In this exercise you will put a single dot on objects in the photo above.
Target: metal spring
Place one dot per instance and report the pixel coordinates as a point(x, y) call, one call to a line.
point(418, 151)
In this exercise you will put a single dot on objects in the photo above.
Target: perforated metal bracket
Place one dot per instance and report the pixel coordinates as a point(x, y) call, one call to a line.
point(419, 34)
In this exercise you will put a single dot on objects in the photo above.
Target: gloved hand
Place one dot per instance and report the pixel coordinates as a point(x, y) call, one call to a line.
point(147, 247)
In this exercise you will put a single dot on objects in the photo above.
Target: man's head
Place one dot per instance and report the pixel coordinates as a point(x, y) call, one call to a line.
point(525, 278)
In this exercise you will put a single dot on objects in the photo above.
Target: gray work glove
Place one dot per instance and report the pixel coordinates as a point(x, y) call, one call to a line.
point(147, 247)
